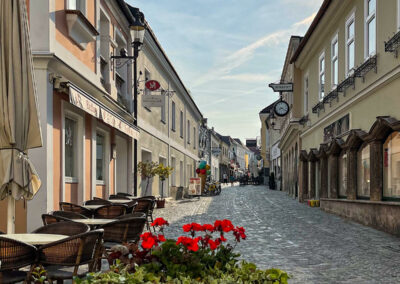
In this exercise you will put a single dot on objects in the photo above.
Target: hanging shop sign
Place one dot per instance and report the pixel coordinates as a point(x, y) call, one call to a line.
point(153, 101)
point(152, 85)
point(282, 87)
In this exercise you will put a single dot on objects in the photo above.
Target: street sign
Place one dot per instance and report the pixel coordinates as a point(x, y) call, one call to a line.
point(152, 85)
point(153, 101)
point(282, 87)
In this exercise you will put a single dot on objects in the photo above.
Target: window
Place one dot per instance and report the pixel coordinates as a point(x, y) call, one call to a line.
point(104, 51)
point(370, 27)
point(194, 138)
point(350, 44)
point(335, 62)
point(173, 116)
point(321, 76)
point(181, 124)
point(100, 157)
point(188, 131)
point(343, 175)
point(306, 94)
point(70, 144)
point(391, 166)
point(163, 106)
point(77, 5)
point(363, 172)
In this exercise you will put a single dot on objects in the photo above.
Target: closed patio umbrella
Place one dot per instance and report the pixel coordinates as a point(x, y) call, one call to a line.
point(19, 121)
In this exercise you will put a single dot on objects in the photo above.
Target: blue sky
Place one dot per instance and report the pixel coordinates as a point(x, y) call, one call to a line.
point(227, 51)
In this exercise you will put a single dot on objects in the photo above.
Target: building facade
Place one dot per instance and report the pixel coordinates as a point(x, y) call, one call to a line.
point(348, 77)
point(224, 163)
point(170, 133)
point(85, 102)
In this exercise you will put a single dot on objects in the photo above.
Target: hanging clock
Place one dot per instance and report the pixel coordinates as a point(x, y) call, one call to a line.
point(281, 108)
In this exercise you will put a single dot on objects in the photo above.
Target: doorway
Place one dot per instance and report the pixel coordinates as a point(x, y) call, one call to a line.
point(163, 186)
point(147, 185)
point(121, 167)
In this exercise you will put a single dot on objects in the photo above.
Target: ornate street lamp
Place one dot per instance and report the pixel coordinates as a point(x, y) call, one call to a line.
point(138, 28)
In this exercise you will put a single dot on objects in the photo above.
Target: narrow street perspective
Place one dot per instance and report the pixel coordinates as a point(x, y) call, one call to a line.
point(311, 245)
point(200, 141)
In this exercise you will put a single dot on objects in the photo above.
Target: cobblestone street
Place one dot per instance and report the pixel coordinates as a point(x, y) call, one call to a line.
point(311, 245)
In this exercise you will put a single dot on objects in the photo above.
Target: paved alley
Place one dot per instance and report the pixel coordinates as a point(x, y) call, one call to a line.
point(311, 245)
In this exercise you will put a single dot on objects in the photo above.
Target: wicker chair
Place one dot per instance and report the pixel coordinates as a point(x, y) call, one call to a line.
point(145, 206)
point(63, 259)
point(119, 197)
point(132, 215)
point(152, 197)
point(131, 206)
point(124, 194)
point(110, 211)
point(123, 231)
point(65, 206)
point(97, 202)
point(51, 219)
point(69, 215)
point(68, 228)
point(15, 255)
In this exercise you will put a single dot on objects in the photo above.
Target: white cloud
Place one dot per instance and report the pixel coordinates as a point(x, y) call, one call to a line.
point(246, 53)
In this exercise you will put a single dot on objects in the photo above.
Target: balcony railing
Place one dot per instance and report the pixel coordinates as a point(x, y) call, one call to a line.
point(393, 44)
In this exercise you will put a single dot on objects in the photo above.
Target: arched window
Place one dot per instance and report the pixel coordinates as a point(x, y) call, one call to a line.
point(342, 174)
point(363, 172)
point(391, 166)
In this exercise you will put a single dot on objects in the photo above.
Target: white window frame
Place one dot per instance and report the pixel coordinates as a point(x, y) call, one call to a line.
point(83, 5)
point(74, 177)
point(102, 130)
point(194, 137)
point(335, 40)
point(350, 19)
point(367, 20)
point(306, 93)
point(321, 71)
point(181, 124)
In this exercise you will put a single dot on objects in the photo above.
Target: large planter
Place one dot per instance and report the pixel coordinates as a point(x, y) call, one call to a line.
point(177, 192)
point(160, 203)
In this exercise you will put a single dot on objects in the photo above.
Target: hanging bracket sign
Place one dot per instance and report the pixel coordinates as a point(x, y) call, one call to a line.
point(153, 101)
point(152, 85)
point(282, 87)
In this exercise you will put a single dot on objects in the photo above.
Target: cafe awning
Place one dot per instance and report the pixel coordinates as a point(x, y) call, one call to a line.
point(95, 108)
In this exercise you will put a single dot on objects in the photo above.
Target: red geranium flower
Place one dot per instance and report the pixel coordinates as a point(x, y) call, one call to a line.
point(148, 240)
point(189, 243)
point(159, 222)
point(208, 227)
point(238, 232)
point(161, 238)
point(224, 225)
point(192, 227)
point(213, 244)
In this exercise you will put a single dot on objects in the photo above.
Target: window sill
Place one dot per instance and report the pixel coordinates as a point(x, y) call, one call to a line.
point(146, 108)
point(71, 180)
point(100, 182)
point(80, 29)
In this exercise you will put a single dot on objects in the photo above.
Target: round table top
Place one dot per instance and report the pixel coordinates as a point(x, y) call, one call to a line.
point(35, 239)
point(94, 221)
point(92, 207)
point(119, 201)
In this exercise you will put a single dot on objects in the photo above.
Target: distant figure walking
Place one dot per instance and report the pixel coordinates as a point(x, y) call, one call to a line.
point(272, 181)
point(225, 177)
point(232, 180)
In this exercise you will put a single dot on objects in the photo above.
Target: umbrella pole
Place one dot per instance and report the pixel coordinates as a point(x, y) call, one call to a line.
point(10, 215)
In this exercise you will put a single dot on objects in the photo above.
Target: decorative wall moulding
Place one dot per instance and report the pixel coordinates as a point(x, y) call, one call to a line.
point(80, 29)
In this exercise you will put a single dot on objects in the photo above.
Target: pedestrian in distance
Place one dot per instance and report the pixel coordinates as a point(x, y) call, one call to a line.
point(225, 176)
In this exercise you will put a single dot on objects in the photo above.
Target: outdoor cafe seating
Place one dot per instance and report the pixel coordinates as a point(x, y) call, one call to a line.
point(66, 206)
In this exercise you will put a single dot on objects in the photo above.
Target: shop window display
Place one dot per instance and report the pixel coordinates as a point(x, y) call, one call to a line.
point(342, 175)
point(363, 172)
point(391, 166)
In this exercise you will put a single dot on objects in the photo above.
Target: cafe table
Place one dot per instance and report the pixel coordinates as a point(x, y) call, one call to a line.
point(92, 207)
point(94, 222)
point(35, 239)
point(119, 201)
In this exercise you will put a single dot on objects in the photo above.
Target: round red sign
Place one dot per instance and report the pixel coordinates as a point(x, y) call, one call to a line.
point(152, 85)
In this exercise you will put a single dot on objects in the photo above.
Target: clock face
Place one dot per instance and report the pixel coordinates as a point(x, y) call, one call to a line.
point(281, 108)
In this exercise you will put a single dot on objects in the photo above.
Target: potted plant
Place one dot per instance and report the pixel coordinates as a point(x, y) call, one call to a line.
point(147, 171)
point(163, 172)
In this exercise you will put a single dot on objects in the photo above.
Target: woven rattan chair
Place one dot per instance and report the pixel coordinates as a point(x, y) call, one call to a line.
point(132, 215)
point(64, 259)
point(65, 206)
point(131, 206)
point(69, 215)
point(145, 206)
point(97, 202)
point(15, 255)
point(68, 228)
point(152, 197)
point(51, 219)
point(123, 231)
point(124, 194)
point(110, 211)
point(119, 197)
